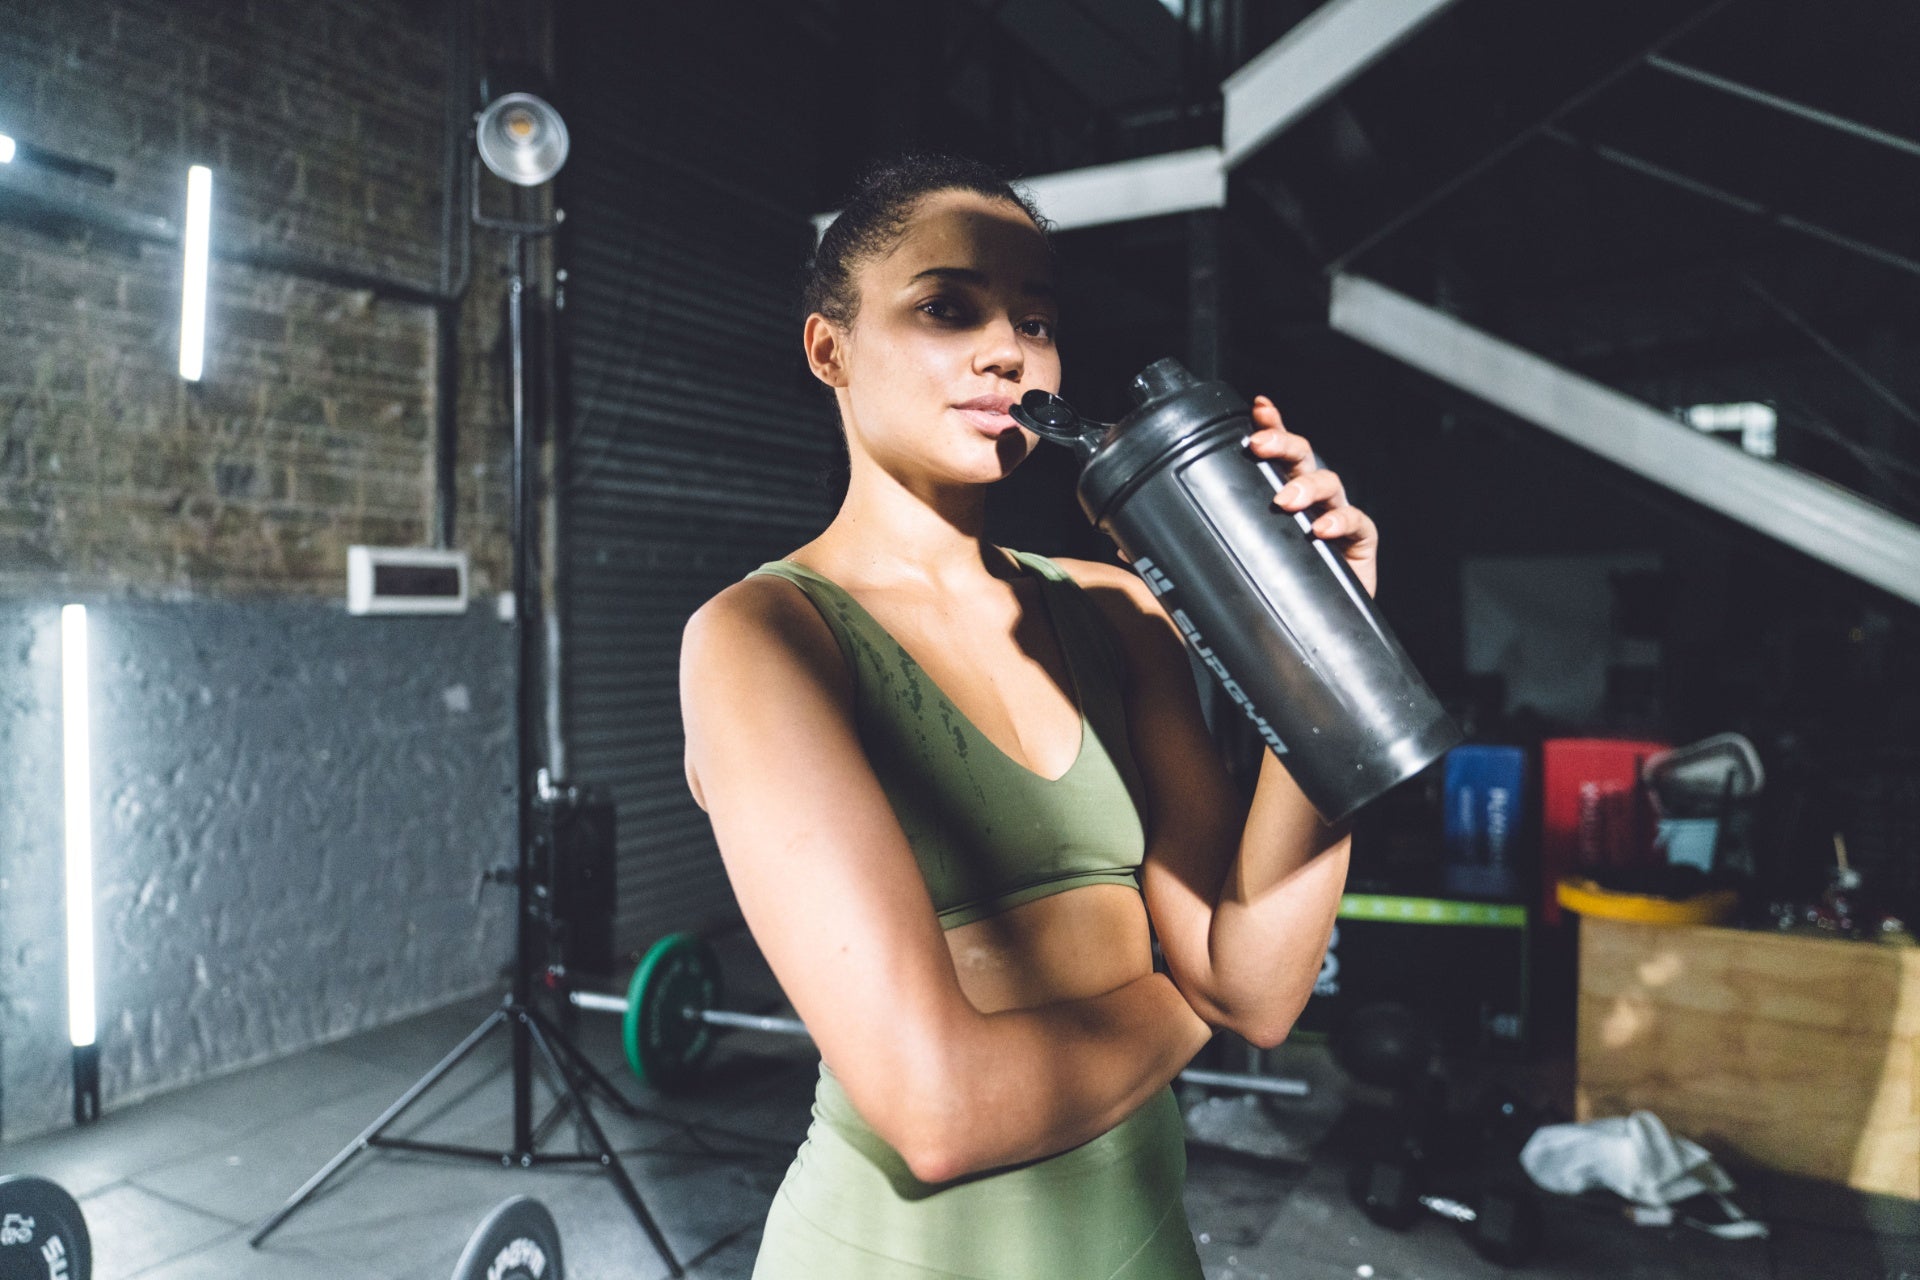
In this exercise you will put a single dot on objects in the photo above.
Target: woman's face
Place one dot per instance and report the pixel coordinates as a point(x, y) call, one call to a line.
point(962, 310)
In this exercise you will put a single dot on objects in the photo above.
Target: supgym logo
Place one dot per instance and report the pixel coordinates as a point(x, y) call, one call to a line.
point(1160, 584)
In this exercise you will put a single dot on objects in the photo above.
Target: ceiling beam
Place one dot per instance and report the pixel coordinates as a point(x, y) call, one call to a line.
point(1489, 159)
point(1828, 119)
point(1752, 208)
point(1802, 511)
point(1176, 182)
point(1296, 73)
point(1306, 66)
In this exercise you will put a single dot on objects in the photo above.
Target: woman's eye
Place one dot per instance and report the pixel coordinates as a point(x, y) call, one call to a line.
point(946, 309)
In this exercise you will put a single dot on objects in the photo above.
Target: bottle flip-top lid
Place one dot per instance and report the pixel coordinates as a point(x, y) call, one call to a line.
point(1171, 408)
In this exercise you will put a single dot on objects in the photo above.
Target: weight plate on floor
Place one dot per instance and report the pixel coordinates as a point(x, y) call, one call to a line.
point(517, 1241)
point(665, 1047)
point(42, 1232)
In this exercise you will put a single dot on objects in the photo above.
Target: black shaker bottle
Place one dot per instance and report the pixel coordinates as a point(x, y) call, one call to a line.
point(1270, 609)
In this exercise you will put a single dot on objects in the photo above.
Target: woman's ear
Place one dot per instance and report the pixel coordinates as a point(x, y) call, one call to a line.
point(826, 347)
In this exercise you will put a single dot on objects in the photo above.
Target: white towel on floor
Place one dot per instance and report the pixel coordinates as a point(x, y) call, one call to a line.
point(1636, 1157)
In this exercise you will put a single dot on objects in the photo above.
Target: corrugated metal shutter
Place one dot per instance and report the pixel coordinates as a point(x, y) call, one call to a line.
point(697, 439)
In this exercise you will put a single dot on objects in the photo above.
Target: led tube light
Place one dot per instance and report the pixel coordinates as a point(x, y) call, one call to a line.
point(79, 808)
point(193, 289)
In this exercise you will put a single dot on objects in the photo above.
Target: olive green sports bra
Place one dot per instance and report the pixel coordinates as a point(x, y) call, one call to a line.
point(988, 832)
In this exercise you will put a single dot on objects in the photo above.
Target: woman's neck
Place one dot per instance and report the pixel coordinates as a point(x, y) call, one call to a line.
point(887, 534)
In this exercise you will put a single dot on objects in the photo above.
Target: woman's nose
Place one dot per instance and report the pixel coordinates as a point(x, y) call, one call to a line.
point(1000, 350)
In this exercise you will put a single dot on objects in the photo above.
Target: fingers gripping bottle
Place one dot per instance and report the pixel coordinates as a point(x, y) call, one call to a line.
point(1272, 611)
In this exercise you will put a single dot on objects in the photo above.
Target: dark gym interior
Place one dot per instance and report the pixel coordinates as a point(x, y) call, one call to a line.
point(341, 755)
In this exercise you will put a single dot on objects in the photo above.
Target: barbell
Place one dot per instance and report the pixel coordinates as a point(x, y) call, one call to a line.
point(671, 1012)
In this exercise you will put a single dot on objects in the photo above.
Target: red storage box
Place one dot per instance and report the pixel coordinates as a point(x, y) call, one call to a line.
point(1594, 814)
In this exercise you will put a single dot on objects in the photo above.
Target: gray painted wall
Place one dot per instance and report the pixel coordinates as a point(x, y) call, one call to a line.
point(292, 808)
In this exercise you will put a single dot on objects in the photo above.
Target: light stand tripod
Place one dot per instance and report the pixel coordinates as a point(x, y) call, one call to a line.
point(531, 1029)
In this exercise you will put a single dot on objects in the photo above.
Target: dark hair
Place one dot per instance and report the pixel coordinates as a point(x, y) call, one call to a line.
point(875, 216)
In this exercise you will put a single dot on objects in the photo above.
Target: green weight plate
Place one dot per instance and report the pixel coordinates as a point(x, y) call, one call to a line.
point(664, 1046)
point(42, 1232)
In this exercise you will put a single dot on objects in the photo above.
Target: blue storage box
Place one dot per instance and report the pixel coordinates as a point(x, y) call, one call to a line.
point(1485, 791)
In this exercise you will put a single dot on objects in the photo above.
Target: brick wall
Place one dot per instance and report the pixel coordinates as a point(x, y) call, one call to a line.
point(313, 425)
point(291, 805)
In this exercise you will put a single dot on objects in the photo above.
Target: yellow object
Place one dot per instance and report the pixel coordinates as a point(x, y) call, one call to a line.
point(1589, 899)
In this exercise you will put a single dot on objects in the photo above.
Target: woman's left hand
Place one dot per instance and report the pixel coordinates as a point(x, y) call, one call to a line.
point(1350, 530)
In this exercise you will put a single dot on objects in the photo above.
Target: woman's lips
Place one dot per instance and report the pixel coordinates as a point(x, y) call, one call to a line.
point(987, 413)
point(988, 421)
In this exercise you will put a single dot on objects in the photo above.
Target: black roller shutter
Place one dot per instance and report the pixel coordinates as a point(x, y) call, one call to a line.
point(696, 439)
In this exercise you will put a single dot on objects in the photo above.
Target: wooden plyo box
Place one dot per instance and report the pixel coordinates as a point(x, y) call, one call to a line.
point(1796, 1053)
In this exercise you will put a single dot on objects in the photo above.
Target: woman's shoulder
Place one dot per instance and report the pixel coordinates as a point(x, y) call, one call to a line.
point(763, 597)
point(760, 618)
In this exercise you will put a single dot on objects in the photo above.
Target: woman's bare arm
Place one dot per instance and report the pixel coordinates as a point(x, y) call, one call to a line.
point(1242, 900)
point(830, 889)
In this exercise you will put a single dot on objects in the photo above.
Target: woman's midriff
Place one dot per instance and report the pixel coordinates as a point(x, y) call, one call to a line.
point(1109, 1207)
point(1067, 946)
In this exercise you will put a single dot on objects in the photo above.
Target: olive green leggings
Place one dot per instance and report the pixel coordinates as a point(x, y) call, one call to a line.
point(1109, 1209)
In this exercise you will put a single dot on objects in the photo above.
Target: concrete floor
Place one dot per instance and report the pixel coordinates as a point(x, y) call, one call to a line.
point(173, 1187)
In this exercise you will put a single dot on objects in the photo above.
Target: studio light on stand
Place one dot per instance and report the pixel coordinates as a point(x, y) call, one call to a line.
point(522, 140)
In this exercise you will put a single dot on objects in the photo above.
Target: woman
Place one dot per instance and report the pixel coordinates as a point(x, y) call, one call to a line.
point(953, 785)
